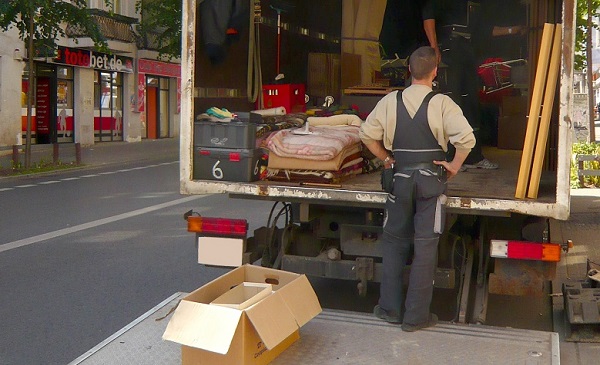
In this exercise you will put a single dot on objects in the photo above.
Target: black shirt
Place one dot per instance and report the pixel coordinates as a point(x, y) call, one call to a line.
point(402, 31)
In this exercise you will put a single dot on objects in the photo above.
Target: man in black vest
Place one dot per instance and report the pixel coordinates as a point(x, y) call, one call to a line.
point(416, 126)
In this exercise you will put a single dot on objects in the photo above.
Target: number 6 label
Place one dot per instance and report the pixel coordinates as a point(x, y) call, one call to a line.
point(216, 171)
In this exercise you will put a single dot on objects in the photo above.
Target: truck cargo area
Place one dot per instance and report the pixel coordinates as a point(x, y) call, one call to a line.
point(347, 338)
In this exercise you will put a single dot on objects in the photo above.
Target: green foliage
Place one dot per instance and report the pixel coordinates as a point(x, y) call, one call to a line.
point(161, 25)
point(49, 17)
point(585, 149)
point(581, 31)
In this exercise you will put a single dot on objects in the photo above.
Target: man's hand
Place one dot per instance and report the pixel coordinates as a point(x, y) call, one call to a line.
point(450, 168)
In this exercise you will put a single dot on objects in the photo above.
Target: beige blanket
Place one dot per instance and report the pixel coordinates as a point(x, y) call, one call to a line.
point(334, 164)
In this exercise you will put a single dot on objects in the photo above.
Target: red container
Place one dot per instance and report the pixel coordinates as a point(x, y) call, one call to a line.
point(289, 96)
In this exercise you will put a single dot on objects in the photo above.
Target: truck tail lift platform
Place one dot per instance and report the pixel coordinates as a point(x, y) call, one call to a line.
point(345, 338)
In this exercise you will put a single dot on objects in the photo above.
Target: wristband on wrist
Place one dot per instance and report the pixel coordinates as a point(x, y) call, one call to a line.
point(387, 159)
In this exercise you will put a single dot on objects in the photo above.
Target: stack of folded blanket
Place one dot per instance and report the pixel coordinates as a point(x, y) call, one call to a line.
point(328, 151)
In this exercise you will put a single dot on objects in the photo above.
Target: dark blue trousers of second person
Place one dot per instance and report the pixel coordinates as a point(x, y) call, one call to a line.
point(410, 218)
point(463, 86)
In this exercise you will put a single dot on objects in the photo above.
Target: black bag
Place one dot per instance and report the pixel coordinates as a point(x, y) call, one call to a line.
point(387, 180)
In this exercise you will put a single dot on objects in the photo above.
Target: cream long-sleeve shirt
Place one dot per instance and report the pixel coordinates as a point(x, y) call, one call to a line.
point(445, 118)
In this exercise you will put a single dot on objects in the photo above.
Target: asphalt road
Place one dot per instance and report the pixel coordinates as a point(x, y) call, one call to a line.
point(83, 253)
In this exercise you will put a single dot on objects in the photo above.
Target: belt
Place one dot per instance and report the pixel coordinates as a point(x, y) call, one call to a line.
point(417, 166)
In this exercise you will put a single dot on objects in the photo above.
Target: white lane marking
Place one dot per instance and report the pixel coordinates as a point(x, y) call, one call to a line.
point(96, 223)
point(86, 176)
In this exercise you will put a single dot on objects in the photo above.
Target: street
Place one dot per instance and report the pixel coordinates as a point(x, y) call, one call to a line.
point(84, 252)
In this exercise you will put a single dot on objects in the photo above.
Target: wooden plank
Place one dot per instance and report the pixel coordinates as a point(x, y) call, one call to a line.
point(542, 137)
point(534, 111)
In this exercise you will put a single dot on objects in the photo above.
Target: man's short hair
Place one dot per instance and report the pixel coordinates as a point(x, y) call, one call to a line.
point(421, 62)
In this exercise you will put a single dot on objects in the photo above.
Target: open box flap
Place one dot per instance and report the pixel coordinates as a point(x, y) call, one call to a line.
point(203, 326)
point(301, 300)
point(272, 320)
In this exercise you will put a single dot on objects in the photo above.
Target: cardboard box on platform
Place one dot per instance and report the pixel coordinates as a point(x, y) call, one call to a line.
point(511, 132)
point(214, 334)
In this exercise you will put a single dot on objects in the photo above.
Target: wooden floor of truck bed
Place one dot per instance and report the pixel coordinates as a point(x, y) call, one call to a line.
point(472, 183)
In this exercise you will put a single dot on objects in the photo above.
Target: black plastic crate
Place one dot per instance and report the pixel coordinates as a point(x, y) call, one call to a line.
point(225, 164)
point(234, 134)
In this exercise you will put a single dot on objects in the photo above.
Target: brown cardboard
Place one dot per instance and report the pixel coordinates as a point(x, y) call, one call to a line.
point(254, 351)
point(214, 334)
point(323, 77)
point(351, 70)
point(514, 105)
point(511, 132)
point(244, 295)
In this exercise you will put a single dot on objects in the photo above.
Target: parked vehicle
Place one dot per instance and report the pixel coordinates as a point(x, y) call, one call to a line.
point(493, 242)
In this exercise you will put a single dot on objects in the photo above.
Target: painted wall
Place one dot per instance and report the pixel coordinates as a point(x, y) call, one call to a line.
point(84, 106)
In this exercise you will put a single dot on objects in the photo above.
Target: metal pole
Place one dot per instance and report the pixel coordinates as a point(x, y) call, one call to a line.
point(31, 83)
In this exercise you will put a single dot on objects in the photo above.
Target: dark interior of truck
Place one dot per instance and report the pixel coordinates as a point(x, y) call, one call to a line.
point(313, 50)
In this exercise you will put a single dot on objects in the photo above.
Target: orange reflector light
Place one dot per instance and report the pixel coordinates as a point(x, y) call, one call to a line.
point(218, 226)
point(522, 250)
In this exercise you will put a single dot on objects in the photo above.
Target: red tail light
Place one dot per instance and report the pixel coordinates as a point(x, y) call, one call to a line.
point(523, 250)
point(218, 226)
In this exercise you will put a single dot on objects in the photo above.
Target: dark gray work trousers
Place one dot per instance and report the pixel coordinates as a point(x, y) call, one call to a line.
point(409, 220)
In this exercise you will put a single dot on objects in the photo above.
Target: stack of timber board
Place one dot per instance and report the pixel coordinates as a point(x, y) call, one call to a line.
point(536, 135)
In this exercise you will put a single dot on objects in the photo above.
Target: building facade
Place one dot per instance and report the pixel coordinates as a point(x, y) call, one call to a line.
point(81, 95)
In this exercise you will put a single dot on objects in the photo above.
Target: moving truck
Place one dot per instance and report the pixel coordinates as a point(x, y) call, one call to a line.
point(494, 242)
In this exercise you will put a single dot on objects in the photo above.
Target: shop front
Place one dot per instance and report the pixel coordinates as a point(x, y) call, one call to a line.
point(52, 111)
point(60, 117)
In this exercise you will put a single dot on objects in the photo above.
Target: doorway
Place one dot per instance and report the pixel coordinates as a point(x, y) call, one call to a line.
point(157, 104)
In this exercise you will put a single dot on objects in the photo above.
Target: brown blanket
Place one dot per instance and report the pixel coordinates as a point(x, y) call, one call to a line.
point(291, 163)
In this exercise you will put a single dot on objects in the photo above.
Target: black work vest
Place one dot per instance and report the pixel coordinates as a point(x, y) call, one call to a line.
point(414, 142)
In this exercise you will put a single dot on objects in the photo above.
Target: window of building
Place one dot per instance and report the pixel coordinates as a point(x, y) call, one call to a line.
point(108, 106)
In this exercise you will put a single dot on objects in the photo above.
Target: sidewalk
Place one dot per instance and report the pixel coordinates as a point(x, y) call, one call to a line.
point(100, 154)
point(583, 228)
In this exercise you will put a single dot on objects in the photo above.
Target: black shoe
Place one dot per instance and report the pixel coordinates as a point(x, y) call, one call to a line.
point(407, 327)
point(385, 315)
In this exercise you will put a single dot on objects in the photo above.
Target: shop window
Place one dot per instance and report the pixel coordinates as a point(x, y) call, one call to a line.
point(64, 104)
point(108, 106)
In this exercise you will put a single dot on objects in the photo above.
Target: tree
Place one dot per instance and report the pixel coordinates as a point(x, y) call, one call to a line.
point(586, 11)
point(160, 26)
point(40, 23)
point(581, 30)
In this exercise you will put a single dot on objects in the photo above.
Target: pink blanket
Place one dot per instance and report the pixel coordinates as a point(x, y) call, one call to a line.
point(323, 144)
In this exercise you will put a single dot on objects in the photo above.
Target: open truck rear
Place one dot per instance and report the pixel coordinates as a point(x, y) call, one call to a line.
point(332, 231)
